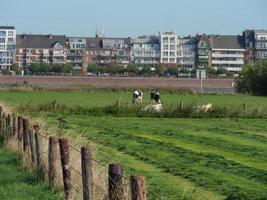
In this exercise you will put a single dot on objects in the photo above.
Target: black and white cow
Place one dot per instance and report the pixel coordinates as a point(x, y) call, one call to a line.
point(137, 96)
point(155, 97)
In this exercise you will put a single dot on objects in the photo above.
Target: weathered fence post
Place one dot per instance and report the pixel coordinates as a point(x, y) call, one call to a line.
point(245, 107)
point(65, 159)
point(25, 134)
point(38, 153)
point(4, 123)
point(32, 146)
point(115, 189)
point(138, 188)
point(52, 158)
point(20, 128)
point(87, 173)
point(15, 127)
point(1, 120)
point(9, 122)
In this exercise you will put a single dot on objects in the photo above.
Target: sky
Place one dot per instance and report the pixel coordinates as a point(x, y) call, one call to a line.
point(131, 18)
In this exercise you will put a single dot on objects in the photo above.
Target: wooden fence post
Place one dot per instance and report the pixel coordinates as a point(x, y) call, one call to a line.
point(65, 159)
point(115, 188)
point(181, 106)
point(9, 122)
point(52, 158)
point(25, 134)
point(87, 173)
point(32, 146)
point(1, 120)
point(38, 154)
point(4, 123)
point(20, 128)
point(138, 188)
point(15, 127)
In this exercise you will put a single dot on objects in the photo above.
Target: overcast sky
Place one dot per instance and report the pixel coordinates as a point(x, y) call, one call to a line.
point(133, 17)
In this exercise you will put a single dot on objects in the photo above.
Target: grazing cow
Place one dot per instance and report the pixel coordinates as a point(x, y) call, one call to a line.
point(204, 108)
point(137, 96)
point(155, 97)
point(153, 108)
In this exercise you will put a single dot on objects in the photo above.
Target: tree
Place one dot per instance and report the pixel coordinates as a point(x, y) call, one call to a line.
point(253, 79)
point(160, 70)
point(173, 70)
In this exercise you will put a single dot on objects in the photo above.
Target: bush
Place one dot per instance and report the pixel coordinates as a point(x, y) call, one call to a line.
point(253, 79)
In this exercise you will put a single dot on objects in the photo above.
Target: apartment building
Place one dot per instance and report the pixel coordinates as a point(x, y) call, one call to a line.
point(168, 44)
point(249, 43)
point(41, 48)
point(7, 46)
point(260, 44)
point(186, 52)
point(227, 52)
point(145, 50)
point(77, 46)
point(203, 49)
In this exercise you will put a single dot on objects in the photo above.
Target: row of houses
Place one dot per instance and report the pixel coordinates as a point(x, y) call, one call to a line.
point(227, 51)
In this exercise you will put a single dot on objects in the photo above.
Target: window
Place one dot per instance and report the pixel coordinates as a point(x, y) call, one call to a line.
point(10, 39)
point(2, 40)
point(2, 47)
point(10, 33)
point(2, 33)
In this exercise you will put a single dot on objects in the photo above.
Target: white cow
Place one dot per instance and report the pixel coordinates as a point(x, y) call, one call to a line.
point(137, 96)
point(153, 107)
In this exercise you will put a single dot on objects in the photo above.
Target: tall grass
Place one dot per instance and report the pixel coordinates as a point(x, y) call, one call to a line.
point(118, 109)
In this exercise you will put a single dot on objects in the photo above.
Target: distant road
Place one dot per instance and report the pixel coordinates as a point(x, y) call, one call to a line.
point(209, 85)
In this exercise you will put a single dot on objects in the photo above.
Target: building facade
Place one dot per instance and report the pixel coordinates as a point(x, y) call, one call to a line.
point(77, 46)
point(203, 51)
point(50, 49)
point(7, 46)
point(145, 50)
point(260, 44)
point(249, 43)
point(186, 52)
point(227, 52)
point(168, 47)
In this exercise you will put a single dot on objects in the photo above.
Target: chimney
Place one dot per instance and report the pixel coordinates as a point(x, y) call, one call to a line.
point(50, 36)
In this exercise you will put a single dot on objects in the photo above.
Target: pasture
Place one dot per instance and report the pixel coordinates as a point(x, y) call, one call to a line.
point(16, 183)
point(181, 158)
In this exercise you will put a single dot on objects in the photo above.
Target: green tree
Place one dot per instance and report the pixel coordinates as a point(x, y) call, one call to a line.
point(253, 79)
point(173, 70)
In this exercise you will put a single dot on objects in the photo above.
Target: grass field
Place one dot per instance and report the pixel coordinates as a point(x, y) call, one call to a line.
point(181, 158)
point(16, 183)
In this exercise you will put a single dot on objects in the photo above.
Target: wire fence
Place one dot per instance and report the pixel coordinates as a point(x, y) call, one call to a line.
point(67, 166)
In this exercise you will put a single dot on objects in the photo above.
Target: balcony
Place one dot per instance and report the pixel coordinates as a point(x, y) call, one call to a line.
point(227, 62)
point(218, 55)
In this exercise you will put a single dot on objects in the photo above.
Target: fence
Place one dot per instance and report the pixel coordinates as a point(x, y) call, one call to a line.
point(62, 165)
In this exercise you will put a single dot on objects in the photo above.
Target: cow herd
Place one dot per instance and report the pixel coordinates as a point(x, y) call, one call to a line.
point(156, 105)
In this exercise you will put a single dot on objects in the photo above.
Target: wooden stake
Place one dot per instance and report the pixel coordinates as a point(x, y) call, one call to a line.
point(65, 159)
point(25, 134)
point(115, 188)
point(87, 173)
point(52, 158)
point(138, 188)
point(32, 146)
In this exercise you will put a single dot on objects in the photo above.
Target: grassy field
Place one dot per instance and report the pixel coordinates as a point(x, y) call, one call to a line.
point(181, 158)
point(16, 183)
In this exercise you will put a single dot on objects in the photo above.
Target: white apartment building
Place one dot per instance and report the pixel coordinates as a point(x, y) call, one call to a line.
point(7, 46)
point(227, 52)
point(261, 44)
point(145, 50)
point(186, 52)
point(168, 42)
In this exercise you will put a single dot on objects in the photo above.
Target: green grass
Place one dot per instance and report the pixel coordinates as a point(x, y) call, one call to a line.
point(181, 158)
point(17, 184)
point(101, 98)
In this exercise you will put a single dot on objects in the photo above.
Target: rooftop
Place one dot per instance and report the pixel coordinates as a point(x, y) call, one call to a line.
point(227, 42)
point(40, 41)
point(7, 27)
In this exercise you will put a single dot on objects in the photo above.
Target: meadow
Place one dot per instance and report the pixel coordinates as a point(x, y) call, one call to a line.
point(16, 183)
point(201, 158)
